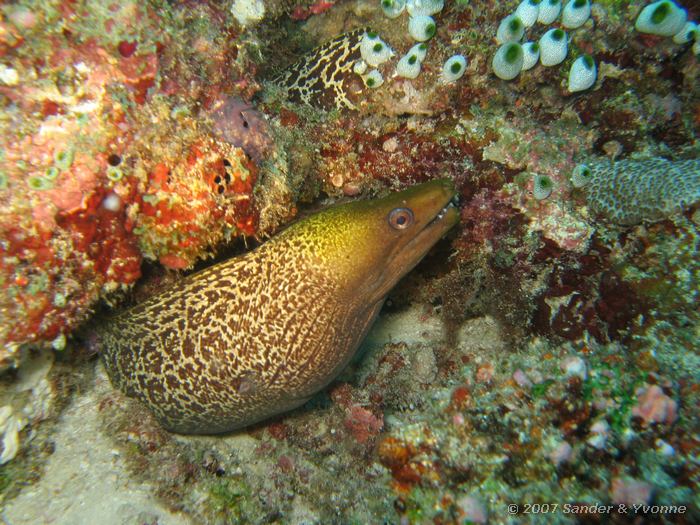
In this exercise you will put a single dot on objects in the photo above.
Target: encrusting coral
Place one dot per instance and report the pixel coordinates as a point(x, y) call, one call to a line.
point(106, 158)
point(631, 191)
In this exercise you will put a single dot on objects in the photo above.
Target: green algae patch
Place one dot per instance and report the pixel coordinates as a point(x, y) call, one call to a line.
point(540, 389)
point(229, 499)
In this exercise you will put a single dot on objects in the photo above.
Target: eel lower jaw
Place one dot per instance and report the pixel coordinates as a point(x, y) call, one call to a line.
point(438, 226)
point(407, 256)
point(433, 231)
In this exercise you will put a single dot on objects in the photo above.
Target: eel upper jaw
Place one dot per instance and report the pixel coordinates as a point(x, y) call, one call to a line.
point(452, 204)
point(445, 218)
point(405, 257)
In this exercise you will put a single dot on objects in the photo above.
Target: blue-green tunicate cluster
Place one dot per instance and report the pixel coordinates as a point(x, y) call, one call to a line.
point(552, 47)
point(410, 64)
point(580, 176)
point(454, 68)
point(542, 187)
point(374, 52)
point(393, 8)
point(548, 11)
point(421, 28)
point(628, 192)
point(51, 173)
point(424, 7)
point(531, 55)
point(582, 74)
point(663, 18)
point(528, 12)
point(374, 79)
point(575, 13)
point(667, 18)
point(62, 161)
point(511, 29)
point(39, 183)
point(421, 24)
point(508, 61)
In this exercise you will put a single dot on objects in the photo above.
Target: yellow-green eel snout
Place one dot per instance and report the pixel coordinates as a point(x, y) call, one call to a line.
point(259, 334)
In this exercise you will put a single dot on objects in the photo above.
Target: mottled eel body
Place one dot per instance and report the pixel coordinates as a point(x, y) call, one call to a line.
point(324, 77)
point(259, 334)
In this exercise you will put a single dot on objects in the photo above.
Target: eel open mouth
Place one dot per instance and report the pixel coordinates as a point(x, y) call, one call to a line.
point(452, 203)
point(445, 218)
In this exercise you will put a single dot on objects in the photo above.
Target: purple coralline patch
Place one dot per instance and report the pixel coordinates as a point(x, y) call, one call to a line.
point(241, 125)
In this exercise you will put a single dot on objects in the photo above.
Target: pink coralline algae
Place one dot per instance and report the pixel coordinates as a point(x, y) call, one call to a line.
point(552, 216)
point(471, 510)
point(521, 379)
point(653, 406)
point(302, 13)
point(561, 454)
point(486, 219)
point(363, 424)
point(62, 247)
point(628, 491)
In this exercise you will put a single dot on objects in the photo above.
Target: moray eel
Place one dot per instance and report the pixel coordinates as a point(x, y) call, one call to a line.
point(324, 77)
point(261, 333)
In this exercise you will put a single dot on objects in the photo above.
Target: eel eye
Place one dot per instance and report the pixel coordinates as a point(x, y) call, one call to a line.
point(400, 218)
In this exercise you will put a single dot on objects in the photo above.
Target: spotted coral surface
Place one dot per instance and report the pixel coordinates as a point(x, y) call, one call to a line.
point(631, 191)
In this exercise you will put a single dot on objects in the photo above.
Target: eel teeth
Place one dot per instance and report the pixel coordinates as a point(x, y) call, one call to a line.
point(454, 202)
